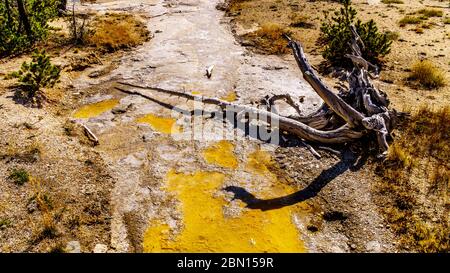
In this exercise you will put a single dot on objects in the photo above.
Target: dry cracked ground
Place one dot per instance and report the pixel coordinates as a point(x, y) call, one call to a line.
point(147, 186)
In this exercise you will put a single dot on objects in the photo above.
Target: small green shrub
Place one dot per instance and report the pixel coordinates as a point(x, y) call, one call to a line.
point(447, 20)
point(300, 21)
point(19, 176)
point(37, 74)
point(336, 36)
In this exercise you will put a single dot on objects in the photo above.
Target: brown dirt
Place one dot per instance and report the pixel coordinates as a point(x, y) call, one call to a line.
point(339, 188)
point(71, 175)
point(68, 196)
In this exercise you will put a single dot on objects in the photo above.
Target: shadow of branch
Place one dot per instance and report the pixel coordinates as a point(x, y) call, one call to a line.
point(348, 162)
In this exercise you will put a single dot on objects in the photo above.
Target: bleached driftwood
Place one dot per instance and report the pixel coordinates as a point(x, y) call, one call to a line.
point(90, 134)
point(344, 116)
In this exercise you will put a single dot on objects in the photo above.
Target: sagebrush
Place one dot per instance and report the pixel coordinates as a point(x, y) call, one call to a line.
point(427, 74)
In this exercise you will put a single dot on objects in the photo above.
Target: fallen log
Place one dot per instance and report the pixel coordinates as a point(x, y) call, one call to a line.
point(345, 116)
point(340, 135)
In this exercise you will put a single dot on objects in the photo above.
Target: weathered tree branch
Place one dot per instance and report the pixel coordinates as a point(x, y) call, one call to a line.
point(339, 135)
point(345, 116)
point(339, 106)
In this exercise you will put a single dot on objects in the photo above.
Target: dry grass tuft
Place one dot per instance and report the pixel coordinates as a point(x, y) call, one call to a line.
point(410, 20)
point(43, 200)
point(426, 13)
point(48, 227)
point(118, 31)
point(392, 35)
point(422, 147)
point(428, 134)
point(301, 21)
point(419, 30)
point(269, 38)
point(427, 75)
